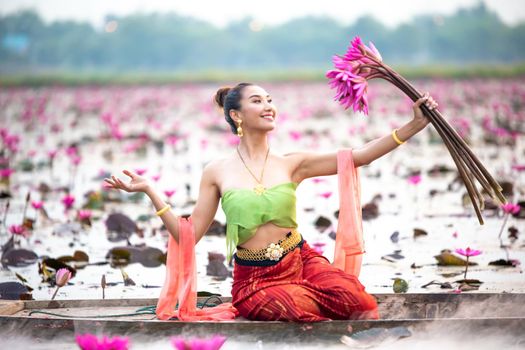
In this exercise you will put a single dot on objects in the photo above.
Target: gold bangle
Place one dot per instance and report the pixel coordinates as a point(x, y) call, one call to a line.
point(398, 141)
point(163, 210)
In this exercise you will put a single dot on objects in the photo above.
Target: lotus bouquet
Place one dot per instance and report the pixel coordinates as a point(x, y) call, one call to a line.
point(350, 78)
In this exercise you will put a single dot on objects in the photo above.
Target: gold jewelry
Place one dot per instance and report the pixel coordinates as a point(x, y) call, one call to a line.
point(284, 246)
point(398, 141)
point(259, 188)
point(239, 129)
point(163, 210)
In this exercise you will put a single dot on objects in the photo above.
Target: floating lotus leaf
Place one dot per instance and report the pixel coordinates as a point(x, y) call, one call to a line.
point(448, 259)
point(12, 290)
point(147, 256)
point(19, 257)
point(120, 224)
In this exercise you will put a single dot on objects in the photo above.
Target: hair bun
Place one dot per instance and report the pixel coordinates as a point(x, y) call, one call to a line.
point(220, 96)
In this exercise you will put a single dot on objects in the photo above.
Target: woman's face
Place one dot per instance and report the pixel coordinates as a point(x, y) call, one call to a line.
point(257, 109)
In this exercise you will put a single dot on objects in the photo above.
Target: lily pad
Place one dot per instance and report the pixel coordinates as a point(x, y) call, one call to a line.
point(446, 258)
point(216, 229)
point(370, 211)
point(322, 223)
point(506, 263)
point(19, 257)
point(216, 266)
point(147, 256)
point(12, 290)
point(120, 227)
point(400, 285)
point(57, 265)
point(418, 232)
point(79, 259)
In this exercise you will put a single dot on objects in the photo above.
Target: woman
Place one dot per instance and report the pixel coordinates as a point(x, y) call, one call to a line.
point(277, 276)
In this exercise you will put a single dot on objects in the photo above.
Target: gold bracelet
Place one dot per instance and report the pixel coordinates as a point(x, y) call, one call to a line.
point(398, 141)
point(163, 210)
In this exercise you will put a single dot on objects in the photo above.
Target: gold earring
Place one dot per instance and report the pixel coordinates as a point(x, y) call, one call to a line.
point(239, 129)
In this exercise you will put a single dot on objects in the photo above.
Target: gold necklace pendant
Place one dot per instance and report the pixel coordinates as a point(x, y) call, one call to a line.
point(259, 189)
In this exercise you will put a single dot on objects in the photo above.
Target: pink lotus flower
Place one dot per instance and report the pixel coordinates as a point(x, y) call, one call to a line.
point(155, 177)
point(169, 193)
point(71, 151)
point(91, 342)
point(68, 201)
point(52, 154)
point(295, 135)
point(84, 214)
point(518, 167)
point(141, 172)
point(351, 74)
point(37, 205)
point(5, 173)
point(76, 159)
point(116, 133)
point(173, 140)
point(468, 252)
point(318, 247)
point(62, 277)
point(19, 230)
point(214, 343)
point(326, 194)
point(511, 208)
point(317, 180)
point(415, 179)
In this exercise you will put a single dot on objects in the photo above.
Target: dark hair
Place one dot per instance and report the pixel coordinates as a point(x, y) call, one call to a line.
point(230, 98)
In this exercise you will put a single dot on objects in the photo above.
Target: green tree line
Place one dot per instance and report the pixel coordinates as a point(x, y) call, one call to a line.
point(162, 42)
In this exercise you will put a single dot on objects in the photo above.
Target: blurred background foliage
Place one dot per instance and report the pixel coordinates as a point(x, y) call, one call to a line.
point(170, 46)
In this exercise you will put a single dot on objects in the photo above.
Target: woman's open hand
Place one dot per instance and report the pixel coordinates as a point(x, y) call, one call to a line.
point(137, 183)
point(419, 118)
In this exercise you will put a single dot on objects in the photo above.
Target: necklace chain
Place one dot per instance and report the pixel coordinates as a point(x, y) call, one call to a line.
point(259, 189)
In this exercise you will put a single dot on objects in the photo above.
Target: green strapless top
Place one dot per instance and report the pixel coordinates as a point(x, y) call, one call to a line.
point(245, 211)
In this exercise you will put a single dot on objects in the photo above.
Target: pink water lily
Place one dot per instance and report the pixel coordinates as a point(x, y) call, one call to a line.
point(295, 135)
point(169, 193)
point(5, 173)
point(68, 201)
point(19, 230)
point(326, 195)
point(141, 171)
point(415, 179)
point(84, 214)
point(37, 205)
point(508, 209)
point(92, 342)
point(511, 208)
point(61, 278)
point(468, 253)
point(213, 343)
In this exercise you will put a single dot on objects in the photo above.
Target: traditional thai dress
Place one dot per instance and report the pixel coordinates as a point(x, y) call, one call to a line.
point(294, 284)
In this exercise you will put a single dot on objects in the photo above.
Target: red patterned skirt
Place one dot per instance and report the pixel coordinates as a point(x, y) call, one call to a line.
point(303, 286)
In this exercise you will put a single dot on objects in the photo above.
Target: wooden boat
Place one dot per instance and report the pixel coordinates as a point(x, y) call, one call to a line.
point(496, 313)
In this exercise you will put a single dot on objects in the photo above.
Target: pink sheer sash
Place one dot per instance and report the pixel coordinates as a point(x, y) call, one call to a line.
point(349, 240)
point(181, 283)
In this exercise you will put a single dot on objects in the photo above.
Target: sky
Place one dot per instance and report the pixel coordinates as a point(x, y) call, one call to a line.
point(268, 12)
